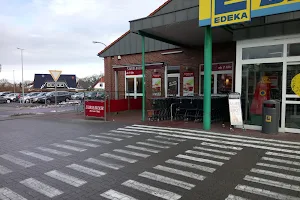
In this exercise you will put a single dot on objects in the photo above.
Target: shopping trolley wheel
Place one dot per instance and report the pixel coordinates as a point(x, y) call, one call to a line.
point(223, 125)
point(231, 129)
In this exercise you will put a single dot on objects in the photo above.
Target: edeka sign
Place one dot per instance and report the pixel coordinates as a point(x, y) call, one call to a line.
point(224, 12)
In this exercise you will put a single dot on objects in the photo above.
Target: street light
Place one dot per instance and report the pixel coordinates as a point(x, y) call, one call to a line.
point(22, 72)
point(96, 42)
point(14, 82)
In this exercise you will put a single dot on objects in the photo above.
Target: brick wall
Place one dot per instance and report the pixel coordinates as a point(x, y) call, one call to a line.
point(189, 60)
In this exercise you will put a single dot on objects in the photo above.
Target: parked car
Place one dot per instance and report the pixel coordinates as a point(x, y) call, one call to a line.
point(35, 98)
point(2, 94)
point(27, 97)
point(13, 97)
point(95, 96)
point(62, 96)
point(2, 100)
point(78, 96)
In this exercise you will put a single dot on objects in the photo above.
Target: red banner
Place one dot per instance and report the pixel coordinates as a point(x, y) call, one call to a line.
point(94, 109)
point(188, 74)
point(134, 71)
point(220, 66)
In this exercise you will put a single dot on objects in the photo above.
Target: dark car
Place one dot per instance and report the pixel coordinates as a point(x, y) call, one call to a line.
point(94, 96)
point(62, 96)
point(3, 100)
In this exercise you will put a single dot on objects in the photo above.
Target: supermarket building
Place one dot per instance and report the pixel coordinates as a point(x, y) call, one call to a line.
point(232, 47)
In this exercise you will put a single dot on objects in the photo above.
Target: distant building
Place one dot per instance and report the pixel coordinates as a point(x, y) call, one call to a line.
point(45, 81)
point(100, 84)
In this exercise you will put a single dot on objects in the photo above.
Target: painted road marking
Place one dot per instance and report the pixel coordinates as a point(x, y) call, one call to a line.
point(171, 139)
point(216, 151)
point(41, 187)
point(142, 149)
point(83, 143)
point(116, 157)
point(164, 194)
point(282, 155)
point(180, 172)
point(153, 145)
point(53, 151)
point(265, 193)
point(17, 161)
point(167, 180)
point(115, 195)
point(117, 135)
point(281, 161)
point(94, 140)
point(191, 165)
point(7, 194)
point(124, 132)
point(71, 180)
point(233, 197)
point(4, 170)
point(200, 159)
point(279, 167)
point(86, 170)
point(132, 153)
point(64, 146)
point(106, 137)
point(36, 155)
point(104, 164)
point(198, 153)
point(272, 183)
point(275, 174)
point(162, 142)
point(221, 146)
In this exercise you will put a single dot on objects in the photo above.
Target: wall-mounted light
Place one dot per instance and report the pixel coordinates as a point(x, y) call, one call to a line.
point(119, 57)
point(171, 52)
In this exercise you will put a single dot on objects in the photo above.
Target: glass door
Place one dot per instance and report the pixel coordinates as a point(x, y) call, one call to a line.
point(173, 84)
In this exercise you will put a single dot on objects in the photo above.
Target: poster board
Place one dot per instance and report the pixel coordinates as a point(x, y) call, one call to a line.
point(235, 109)
point(188, 84)
point(156, 85)
point(93, 108)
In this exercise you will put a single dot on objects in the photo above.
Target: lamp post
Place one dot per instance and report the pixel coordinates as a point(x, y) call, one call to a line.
point(14, 82)
point(22, 73)
point(96, 42)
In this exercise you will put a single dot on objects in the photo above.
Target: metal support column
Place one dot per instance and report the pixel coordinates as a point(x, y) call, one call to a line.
point(143, 84)
point(207, 78)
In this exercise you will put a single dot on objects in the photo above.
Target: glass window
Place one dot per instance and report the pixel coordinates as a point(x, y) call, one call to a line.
point(224, 83)
point(173, 84)
point(293, 49)
point(272, 51)
point(292, 71)
point(212, 84)
point(139, 86)
point(130, 85)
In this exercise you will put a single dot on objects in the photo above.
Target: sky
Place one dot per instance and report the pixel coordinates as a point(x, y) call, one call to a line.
point(58, 34)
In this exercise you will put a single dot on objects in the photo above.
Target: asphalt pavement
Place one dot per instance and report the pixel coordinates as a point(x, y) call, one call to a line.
point(60, 159)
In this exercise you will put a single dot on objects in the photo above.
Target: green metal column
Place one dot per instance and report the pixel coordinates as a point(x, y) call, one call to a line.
point(144, 89)
point(207, 78)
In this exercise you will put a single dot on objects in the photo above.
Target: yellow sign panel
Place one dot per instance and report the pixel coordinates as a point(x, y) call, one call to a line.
point(268, 118)
point(224, 12)
point(295, 84)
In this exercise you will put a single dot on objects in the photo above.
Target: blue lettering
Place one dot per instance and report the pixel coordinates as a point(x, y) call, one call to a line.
point(223, 19)
point(244, 15)
point(217, 20)
point(237, 16)
point(221, 8)
point(230, 17)
point(269, 2)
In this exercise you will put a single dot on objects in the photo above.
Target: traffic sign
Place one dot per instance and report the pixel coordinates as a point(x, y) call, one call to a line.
point(55, 74)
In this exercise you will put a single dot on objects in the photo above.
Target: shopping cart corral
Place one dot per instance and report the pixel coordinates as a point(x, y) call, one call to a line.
point(188, 108)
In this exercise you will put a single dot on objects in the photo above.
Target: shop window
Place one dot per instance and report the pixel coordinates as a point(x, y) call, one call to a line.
point(134, 86)
point(293, 49)
point(139, 85)
point(130, 85)
point(272, 51)
point(224, 82)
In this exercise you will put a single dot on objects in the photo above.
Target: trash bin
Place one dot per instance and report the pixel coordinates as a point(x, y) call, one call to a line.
point(270, 117)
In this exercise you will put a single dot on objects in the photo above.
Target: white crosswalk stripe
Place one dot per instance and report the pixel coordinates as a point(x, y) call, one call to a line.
point(115, 195)
point(82, 143)
point(180, 172)
point(116, 157)
point(221, 146)
point(53, 151)
point(198, 153)
point(162, 142)
point(41, 187)
point(281, 161)
point(86, 170)
point(7, 194)
point(71, 180)
point(164, 194)
point(104, 164)
point(167, 180)
point(106, 137)
point(275, 174)
point(265, 193)
point(191, 165)
point(117, 135)
point(142, 149)
point(282, 155)
point(153, 145)
point(94, 140)
point(124, 132)
point(4, 170)
point(200, 160)
point(132, 153)
point(170, 139)
point(216, 151)
point(36, 155)
point(64, 146)
point(17, 161)
point(272, 183)
point(132, 130)
point(233, 197)
point(279, 167)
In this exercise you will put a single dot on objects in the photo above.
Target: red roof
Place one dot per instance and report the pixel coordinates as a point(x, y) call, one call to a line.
point(122, 36)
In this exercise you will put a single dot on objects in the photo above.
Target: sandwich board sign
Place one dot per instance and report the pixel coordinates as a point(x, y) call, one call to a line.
point(55, 75)
point(235, 110)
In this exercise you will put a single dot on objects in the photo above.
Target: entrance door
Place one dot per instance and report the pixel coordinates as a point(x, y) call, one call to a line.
point(292, 100)
point(173, 84)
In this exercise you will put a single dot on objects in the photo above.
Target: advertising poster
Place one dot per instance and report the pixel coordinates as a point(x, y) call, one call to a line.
point(156, 85)
point(95, 109)
point(188, 84)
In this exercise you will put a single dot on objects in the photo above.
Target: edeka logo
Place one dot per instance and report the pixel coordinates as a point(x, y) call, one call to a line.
point(226, 12)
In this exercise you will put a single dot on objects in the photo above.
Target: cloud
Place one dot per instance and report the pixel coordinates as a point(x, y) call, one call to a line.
point(59, 33)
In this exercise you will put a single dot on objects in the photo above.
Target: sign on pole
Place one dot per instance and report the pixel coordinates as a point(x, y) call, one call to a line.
point(55, 75)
